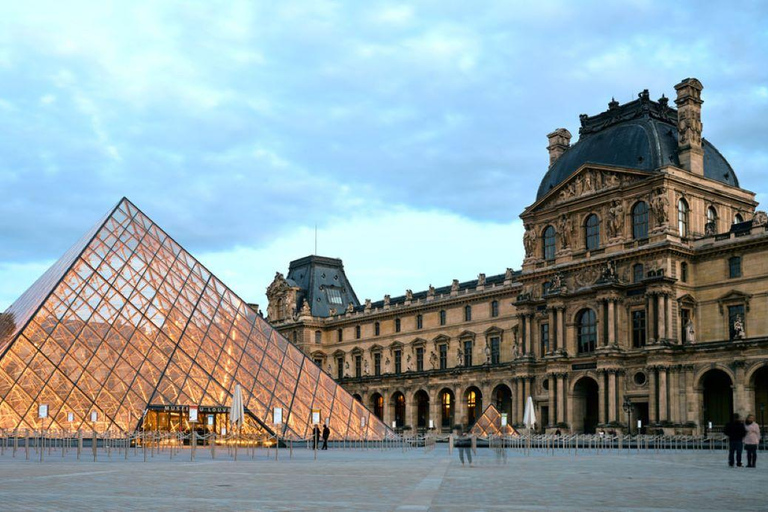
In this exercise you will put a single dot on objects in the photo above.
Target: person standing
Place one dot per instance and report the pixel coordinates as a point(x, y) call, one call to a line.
point(326, 435)
point(315, 437)
point(735, 431)
point(751, 440)
point(464, 444)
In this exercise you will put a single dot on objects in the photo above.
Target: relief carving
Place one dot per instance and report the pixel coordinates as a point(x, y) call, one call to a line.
point(565, 228)
point(615, 224)
point(660, 206)
point(529, 241)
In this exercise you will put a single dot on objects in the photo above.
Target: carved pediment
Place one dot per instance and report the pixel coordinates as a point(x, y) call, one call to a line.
point(441, 339)
point(467, 335)
point(318, 355)
point(418, 342)
point(687, 299)
point(339, 353)
point(734, 297)
point(587, 180)
point(375, 348)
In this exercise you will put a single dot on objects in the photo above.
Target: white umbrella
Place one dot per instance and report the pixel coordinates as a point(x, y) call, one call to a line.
point(236, 409)
point(529, 418)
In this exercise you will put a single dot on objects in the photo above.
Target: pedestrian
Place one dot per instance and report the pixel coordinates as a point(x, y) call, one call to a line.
point(751, 440)
point(735, 431)
point(315, 437)
point(464, 444)
point(326, 435)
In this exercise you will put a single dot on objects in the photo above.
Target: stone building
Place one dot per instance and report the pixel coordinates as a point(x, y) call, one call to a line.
point(643, 295)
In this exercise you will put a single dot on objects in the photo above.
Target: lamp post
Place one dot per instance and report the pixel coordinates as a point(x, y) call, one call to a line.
point(762, 419)
point(627, 406)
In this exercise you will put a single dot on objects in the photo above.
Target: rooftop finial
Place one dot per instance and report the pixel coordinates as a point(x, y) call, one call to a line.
point(613, 104)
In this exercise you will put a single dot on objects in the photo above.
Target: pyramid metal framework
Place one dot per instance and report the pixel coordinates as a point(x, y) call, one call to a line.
point(127, 319)
point(489, 424)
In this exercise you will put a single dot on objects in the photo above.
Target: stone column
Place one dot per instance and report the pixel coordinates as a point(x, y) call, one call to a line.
point(621, 416)
point(602, 333)
point(671, 326)
point(435, 411)
point(740, 405)
point(611, 322)
point(561, 390)
point(612, 395)
point(660, 314)
point(674, 395)
point(520, 399)
point(552, 329)
point(552, 395)
point(650, 324)
point(531, 336)
point(663, 395)
point(691, 402)
point(652, 416)
point(389, 410)
point(601, 396)
point(461, 408)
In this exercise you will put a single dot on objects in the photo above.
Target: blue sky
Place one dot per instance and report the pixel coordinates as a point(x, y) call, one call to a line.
point(412, 134)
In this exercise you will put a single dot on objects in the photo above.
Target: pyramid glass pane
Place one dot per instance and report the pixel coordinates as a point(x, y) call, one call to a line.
point(489, 424)
point(127, 321)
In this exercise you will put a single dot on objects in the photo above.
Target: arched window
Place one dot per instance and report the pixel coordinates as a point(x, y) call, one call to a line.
point(592, 228)
point(587, 331)
point(711, 227)
point(682, 217)
point(640, 221)
point(637, 272)
point(549, 243)
point(738, 218)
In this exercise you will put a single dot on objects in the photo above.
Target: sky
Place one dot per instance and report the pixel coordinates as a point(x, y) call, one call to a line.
point(411, 134)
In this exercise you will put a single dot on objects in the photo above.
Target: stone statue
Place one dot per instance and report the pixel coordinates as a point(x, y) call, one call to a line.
point(455, 287)
point(565, 228)
point(480, 280)
point(365, 367)
point(408, 362)
point(556, 283)
point(508, 275)
point(305, 309)
point(529, 241)
point(689, 332)
point(367, 304)
point(350, 308)
point(487, 354)
point(332, 311)
point(460, 357)
point(330, 368)
point(609, 272)
point(615, 223)
point(760, 218)
point(738, 328)
point(433, 360)
point(386, 365)
point(408, 295)
point(515, 348)
point(386, 301)
point(431, 292)
point(660, 206)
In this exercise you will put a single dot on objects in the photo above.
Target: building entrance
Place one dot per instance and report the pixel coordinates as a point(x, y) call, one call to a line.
point(585, 405)
point(175, 418)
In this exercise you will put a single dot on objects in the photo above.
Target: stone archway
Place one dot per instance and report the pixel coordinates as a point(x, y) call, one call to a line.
point(501, 398)
point(377, 405)
point(586, 393)
point(398, 405)
point(473, 405)
point(421, 407)
point(717, 398)
point(760, 387)
point(447, 402)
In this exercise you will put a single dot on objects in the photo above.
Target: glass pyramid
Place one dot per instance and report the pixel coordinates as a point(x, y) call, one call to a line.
point(127, 320)
point(489, 424)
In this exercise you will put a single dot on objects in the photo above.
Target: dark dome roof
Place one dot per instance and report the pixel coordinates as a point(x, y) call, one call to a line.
point(639, 135)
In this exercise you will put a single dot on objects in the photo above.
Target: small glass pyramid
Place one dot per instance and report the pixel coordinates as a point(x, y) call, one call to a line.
point(490, 424)
point(128, 321)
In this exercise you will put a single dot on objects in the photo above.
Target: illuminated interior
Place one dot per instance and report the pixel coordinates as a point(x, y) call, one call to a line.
point(490, 424)
point(128, 321)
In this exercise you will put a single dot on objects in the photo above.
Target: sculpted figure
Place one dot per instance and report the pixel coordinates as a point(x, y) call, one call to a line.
point(738, 328)
point(529, 241)
point(615, 220)
point(689, 332)
point(659, 206)
point(481, 280)
point(460, 357)
point(433, 360)
point(305, 309)
point(365, 367)
point(487, 354)
point(408, 295)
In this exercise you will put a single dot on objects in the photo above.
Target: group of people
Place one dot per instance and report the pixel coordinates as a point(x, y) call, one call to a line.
point(741, 435)
point(316, 437)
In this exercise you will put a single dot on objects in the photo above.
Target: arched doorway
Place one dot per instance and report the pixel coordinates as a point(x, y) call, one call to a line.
point(421, 401)
point(447, 408)
point(585, 405)
point(717, 404)
point(377, 404)
point(760, 385)
point(473, 399)
point(398, 402)
point(502, 400)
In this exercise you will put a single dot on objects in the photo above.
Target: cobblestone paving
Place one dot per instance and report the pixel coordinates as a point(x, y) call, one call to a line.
point(374, 480)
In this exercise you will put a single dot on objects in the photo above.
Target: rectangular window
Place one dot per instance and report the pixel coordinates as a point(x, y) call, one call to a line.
point(377, 363)
point(419, 321)
point(358, 366)
point(495, 350)
point(544, 337)
point(468, 353)
point(339, 368)
point(397, 325)
point(638, 328)
point(398, 362)
point(467, 313)
point(443, 357)
point(734, 267)
point(494, 309)
point(319, 362)
point(442, 317)
point(334, 295)
point(357, 332)
point(419, 359)
point(685, 317)
point(339, 334)
point(376, 329)
point(736, 316)
point(318, 337)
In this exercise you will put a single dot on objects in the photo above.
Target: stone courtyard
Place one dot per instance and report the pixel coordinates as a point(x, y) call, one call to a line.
point(390, 480)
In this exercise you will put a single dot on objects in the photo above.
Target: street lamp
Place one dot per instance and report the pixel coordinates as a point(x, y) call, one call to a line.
point(627, 406)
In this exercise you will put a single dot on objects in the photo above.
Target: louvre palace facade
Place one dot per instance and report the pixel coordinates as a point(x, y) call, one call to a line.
point(643, 295)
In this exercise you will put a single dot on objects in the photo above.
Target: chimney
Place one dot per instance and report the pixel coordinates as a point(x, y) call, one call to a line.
point(559, 142)
point(689, 125)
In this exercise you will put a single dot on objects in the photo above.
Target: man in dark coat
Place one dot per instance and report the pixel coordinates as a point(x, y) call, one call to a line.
point(327, 434)
point(736, 431)
point(315, 437)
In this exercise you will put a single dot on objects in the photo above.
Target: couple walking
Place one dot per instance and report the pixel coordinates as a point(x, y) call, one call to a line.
point(316, 437)
point(742, 435)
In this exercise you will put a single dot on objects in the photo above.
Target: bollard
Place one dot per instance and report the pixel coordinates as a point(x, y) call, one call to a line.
point(291, 449)
point(94, 444)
